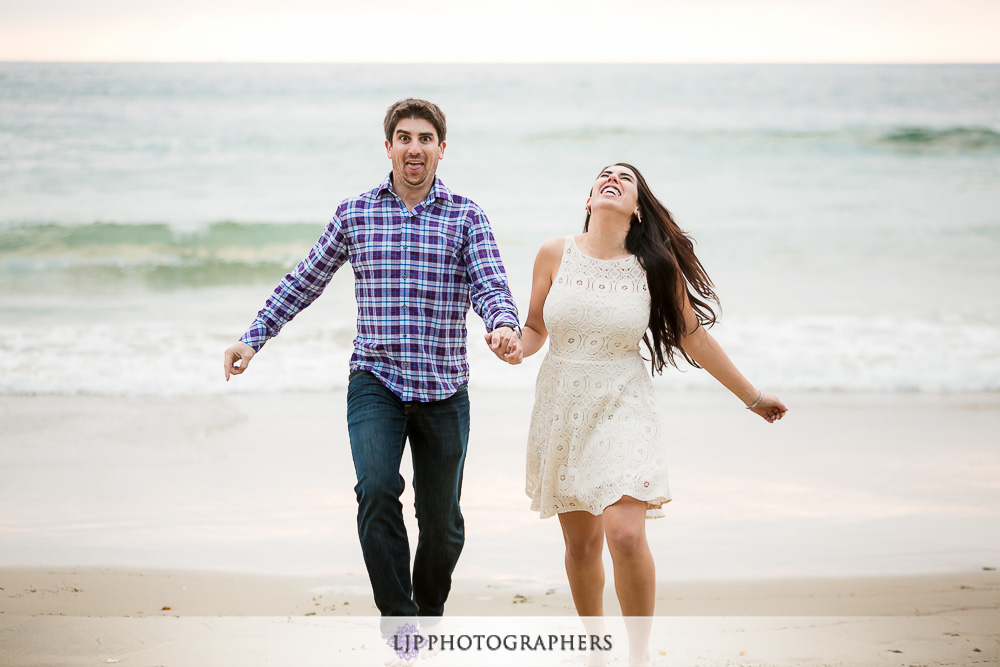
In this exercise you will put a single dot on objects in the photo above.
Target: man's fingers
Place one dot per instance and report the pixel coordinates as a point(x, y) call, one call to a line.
point(236, 359)
point(502, 343)
point(492, 343)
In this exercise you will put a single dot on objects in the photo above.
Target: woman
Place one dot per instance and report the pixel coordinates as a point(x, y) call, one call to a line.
point(595, 448)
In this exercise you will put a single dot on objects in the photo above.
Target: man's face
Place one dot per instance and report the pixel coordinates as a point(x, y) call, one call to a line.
point(414, 152)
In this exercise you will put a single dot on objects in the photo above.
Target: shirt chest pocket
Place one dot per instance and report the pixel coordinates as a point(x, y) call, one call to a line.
point(449, 238)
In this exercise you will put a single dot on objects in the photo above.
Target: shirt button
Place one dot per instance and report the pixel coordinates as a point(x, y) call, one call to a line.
point(405, 364)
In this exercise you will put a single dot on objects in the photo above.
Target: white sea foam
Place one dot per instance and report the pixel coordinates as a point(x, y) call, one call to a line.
point(802, 354)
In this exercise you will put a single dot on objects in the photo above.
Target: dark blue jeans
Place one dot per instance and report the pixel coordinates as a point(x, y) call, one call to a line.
point(380, 424)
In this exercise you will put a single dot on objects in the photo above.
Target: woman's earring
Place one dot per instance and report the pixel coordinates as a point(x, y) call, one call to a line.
point(638, 215)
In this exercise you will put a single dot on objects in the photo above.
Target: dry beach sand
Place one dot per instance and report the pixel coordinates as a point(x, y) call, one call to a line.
point(77, 617)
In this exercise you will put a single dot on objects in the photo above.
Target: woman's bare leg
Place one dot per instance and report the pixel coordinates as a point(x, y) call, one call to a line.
point(584, 536)
point(635, 572)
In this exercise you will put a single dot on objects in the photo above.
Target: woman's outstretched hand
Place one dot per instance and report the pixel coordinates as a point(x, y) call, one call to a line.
point(770, 408)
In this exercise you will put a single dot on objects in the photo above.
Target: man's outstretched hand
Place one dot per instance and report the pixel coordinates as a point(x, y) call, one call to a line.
point(240, 352)
point(504, 343)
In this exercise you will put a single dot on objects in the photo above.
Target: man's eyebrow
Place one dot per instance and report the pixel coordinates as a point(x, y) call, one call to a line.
point(406, 133)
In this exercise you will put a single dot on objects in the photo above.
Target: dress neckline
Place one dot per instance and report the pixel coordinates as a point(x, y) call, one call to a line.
point(576, 246)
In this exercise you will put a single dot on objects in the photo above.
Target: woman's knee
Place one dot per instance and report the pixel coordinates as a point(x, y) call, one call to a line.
point(626, 539)
point(584, 548)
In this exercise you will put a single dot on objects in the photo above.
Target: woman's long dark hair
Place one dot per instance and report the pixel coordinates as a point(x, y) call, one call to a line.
point(666, 252)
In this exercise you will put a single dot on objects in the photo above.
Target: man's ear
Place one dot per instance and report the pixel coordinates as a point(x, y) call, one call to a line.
point(441, 150)
point(388, 149)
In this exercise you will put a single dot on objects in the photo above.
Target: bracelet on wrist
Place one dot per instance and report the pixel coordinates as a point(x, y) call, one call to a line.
point(760, 396)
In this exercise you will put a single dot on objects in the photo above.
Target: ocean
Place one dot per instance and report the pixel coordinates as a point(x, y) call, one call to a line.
point(847, 214)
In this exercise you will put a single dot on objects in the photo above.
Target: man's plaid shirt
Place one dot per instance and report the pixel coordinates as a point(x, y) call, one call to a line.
point(415, 272)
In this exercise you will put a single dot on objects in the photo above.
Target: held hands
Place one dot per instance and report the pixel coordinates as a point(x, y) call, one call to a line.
point(504, 343)
point(239, 352)
point(770, 408)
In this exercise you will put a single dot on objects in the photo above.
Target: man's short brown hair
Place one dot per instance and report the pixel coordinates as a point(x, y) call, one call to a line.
point(412, 107)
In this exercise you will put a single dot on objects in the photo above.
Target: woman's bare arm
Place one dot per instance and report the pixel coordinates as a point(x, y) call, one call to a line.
point(533, 333)
point(706, 351)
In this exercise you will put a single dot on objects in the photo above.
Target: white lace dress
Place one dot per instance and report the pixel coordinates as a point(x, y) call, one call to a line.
point(595, 433)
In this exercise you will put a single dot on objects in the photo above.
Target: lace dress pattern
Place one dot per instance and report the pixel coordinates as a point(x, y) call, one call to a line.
point(595, 433)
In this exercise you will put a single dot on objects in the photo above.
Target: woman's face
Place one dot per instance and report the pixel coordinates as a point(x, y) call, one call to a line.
point(616, 189)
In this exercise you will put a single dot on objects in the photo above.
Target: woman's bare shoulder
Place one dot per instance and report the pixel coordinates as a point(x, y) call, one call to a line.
point(553, 248)
point(550, 257)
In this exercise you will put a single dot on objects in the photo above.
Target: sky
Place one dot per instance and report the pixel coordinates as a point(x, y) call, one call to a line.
point(731, 31)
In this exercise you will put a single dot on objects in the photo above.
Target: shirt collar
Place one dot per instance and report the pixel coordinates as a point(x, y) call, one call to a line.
point(438, 191)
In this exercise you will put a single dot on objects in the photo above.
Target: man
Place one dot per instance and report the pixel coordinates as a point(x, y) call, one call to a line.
point(419, 252)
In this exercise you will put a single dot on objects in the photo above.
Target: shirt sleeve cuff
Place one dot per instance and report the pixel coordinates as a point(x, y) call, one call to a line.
point(255, 336)
point(504, 318)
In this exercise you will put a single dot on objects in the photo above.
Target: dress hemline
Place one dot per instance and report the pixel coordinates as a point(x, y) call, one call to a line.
point(660, 501)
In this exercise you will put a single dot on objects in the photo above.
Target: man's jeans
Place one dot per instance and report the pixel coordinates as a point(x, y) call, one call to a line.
point(380, 424)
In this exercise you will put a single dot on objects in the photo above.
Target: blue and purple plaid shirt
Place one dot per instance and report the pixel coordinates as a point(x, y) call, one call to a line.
point(415, 272)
